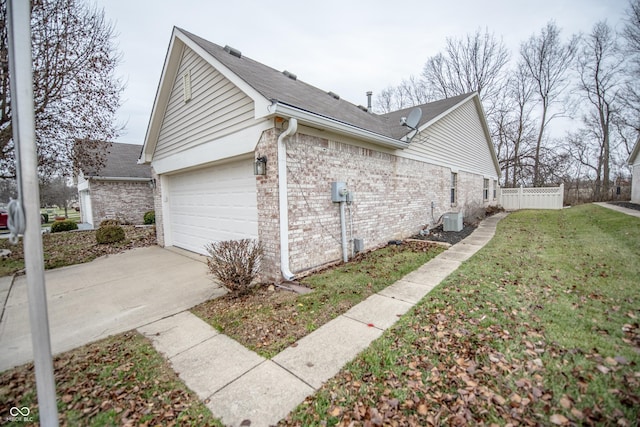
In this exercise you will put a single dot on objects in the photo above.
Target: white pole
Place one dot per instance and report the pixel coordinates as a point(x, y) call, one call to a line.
point(24, 137)
point(343, 234)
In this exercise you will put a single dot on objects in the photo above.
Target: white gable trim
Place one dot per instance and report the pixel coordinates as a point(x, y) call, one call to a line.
point(172, 62)
point(634, 153)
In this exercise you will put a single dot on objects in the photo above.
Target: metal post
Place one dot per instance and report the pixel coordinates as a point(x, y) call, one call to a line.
point(23, 120)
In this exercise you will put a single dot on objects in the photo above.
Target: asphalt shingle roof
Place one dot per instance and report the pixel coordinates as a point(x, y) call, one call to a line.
point(122, 162)
point(275, 85)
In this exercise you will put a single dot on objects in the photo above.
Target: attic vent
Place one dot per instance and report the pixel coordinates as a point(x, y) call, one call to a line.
point(363, 108)
point(290, 75)
point(186, 86)
point(233, 52)
point(334, 95)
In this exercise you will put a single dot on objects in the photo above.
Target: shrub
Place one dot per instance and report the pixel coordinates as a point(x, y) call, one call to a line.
point(150, 217)
point(236, 263)
point(66, 225)
point(109, 234)
point(109, 222)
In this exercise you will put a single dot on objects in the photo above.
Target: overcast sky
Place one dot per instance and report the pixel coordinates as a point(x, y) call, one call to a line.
point(345, 46)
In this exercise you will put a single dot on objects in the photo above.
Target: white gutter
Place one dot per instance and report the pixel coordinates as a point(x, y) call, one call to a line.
point(309, 118)
point(284, 202)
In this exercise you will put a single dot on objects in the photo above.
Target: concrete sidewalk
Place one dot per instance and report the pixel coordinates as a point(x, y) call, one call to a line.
point(113, 294)
point(237, 384)
point(624, 210)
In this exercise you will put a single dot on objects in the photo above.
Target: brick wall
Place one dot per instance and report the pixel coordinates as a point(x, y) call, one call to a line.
point(268, 207)
point(125, 201)
point(393, 198)
point(157, 203)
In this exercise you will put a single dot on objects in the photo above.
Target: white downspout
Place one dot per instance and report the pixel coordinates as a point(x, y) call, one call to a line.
point(284, 201)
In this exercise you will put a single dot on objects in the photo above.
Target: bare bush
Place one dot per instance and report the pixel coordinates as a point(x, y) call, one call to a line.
point(236, 263)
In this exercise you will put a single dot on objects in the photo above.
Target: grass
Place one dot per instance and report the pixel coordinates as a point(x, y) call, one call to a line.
point(540, 327)
point(74, 247)
point(269, 321)
point(117, 381)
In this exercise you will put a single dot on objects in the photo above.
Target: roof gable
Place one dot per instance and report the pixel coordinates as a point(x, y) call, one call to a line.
point(280, 93)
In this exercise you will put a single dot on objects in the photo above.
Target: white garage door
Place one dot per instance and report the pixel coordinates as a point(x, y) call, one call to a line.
point(212, 204)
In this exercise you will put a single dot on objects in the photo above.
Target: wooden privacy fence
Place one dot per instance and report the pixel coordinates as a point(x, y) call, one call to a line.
point(532, 198)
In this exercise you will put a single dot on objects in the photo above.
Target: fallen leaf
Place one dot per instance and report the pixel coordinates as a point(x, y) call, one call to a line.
point(565, 402)
point(422, 409)
point(559, 419)
point(335, 412)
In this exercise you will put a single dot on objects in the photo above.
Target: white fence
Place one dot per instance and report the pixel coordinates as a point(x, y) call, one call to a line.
point(532, 198)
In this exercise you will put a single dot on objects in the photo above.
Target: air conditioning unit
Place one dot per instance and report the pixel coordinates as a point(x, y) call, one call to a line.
point(453, 221)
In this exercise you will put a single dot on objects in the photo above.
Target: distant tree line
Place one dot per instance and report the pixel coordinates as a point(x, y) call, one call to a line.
point(594, 77)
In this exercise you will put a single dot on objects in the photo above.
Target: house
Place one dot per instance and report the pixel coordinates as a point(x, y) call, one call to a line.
point(120, 189)
point(634, 163)
point(337, 178)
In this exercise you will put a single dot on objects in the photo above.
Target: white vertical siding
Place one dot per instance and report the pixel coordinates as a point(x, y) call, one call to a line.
point(216, 108)
point(635, 182)
point(457, 141)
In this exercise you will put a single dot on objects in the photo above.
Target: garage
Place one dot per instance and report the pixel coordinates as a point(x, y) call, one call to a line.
point(211, 204)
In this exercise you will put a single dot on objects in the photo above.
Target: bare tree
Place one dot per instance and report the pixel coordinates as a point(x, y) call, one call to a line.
point(547, 61)
point(600, 68)
point(57, 191)
point(515, 127)
point(75, 92)
point(474, 63)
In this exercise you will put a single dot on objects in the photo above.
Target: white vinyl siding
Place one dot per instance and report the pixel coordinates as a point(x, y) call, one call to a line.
point(456, 140)
point(216, 108)
point(212, 204)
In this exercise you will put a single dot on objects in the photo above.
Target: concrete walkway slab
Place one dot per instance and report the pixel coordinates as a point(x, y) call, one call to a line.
point(321, 354)
point(379, 311)
point(176, 334)
point(434, 271)
point(406, 291)
point(214, 363)
point(263, 396)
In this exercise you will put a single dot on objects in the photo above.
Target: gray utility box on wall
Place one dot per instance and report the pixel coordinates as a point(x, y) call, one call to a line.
point(453, 221)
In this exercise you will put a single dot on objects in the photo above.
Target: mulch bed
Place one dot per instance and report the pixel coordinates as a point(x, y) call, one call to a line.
point(452, 237)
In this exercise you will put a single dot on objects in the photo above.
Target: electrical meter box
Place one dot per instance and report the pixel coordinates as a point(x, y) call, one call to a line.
point(339, 191)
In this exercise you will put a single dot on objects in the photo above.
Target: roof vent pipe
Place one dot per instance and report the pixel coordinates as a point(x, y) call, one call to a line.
point(284, 202)
point(369, 93)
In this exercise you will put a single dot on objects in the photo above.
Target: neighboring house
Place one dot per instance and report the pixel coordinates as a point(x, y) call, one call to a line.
point(121, 189)
point(218, 113)
point(634, 162)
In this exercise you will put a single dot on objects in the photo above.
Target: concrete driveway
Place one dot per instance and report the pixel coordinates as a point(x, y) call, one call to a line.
point(113, 294)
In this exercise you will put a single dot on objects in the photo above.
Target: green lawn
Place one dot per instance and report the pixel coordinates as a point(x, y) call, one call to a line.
point(269, 321)
point(540, 327)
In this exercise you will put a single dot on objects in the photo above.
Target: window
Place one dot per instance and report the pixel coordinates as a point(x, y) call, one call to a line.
point(485, 189)
point(495, 189)
point(454, 188)
point(186, 85)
